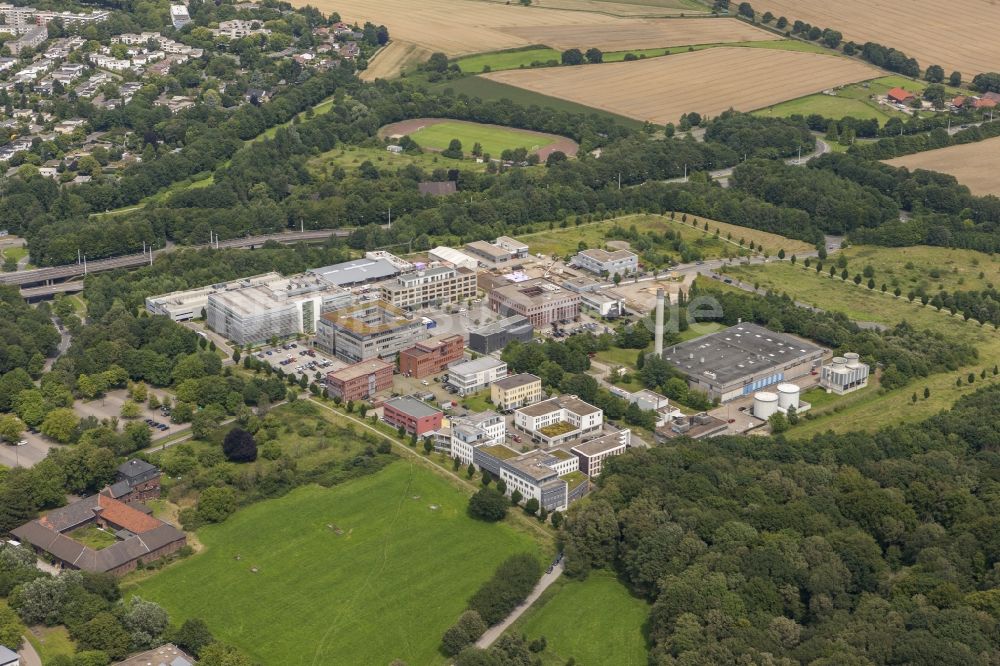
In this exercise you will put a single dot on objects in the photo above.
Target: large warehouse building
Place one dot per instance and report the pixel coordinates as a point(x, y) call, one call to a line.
point(742, 359)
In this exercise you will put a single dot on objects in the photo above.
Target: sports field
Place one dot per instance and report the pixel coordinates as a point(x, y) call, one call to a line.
point(660, 90)
point(953, 34)
point(436, 133)
point(975, 165)
point(362, 573)
point(594, 621)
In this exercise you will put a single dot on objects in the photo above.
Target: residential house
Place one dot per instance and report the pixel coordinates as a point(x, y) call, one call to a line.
point(900, 96)
point(136, 481)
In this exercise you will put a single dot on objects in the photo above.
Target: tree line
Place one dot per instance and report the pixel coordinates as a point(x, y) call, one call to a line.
point(848, 548)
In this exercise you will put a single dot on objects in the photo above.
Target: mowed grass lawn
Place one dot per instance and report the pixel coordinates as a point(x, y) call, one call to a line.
point(828, 106)
point(398, 574)
point(862, 304)
point(594, 621)
point(494, 140)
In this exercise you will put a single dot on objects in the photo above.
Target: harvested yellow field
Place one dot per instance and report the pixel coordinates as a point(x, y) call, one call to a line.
point(457, 27)
point(975, 165)
point(626, 7)
point(957, 34)
point(392, 59)
point(462, 27)
point(660, 90)
point(648, 34)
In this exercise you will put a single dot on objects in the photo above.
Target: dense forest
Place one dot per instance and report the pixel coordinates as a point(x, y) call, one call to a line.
point(846, 549)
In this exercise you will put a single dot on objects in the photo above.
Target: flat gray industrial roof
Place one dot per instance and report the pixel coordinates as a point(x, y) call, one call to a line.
point(356, 271)
point(478, 365)
point(500, 326)
point(736, 352)
point(415, 408)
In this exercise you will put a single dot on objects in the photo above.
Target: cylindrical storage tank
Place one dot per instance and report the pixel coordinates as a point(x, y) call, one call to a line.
point(788, 396)
point(765, 403)
point(853, 360)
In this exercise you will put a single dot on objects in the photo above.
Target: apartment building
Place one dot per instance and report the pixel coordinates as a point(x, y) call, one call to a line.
point(179, 16)
point(539, 300)
point(516, 391)
point(472, 376)
point(431, 356)
point(372, 329)
point(360, 381)
point(602, 262)
point(430, 287)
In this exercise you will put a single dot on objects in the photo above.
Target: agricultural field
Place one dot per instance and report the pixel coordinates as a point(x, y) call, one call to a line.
point(520, 58)
point(363, 573)
point(641, 34)
point(660, 90)
point(560, 242)
point(593, 621)
point(460, 27)
point(626, 7)
point(389, 62)
point(861, 304)
point(435, 134)
point(975, 165)
point(928, 30)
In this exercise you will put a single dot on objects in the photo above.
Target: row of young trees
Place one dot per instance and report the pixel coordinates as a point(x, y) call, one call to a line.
point(850, 548)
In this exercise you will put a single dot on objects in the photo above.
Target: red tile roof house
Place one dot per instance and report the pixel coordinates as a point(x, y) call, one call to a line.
point(415, 416)
point(141, 537)
point(900, 96)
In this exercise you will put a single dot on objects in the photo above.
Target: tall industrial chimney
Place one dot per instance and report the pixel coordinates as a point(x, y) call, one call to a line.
point(658, 328)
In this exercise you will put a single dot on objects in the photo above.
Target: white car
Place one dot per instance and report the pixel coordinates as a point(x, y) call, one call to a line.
point(425, 383)
point(22, 442)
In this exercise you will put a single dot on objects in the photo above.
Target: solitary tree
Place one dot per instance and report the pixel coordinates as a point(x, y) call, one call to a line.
point(488, 505)
point(239, 446)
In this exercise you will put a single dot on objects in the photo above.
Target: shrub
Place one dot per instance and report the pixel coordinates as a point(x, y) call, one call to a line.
point(511, 584)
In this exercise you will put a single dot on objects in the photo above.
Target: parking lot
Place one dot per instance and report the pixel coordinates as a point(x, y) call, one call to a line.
point(299, 358)
point(110, 406)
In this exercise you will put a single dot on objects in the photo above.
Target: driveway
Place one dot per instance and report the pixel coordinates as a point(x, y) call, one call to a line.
point(494, 632)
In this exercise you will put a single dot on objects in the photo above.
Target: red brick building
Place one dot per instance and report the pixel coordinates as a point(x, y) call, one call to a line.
point(415, 416)
point(360, 381)
point(431, 356)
